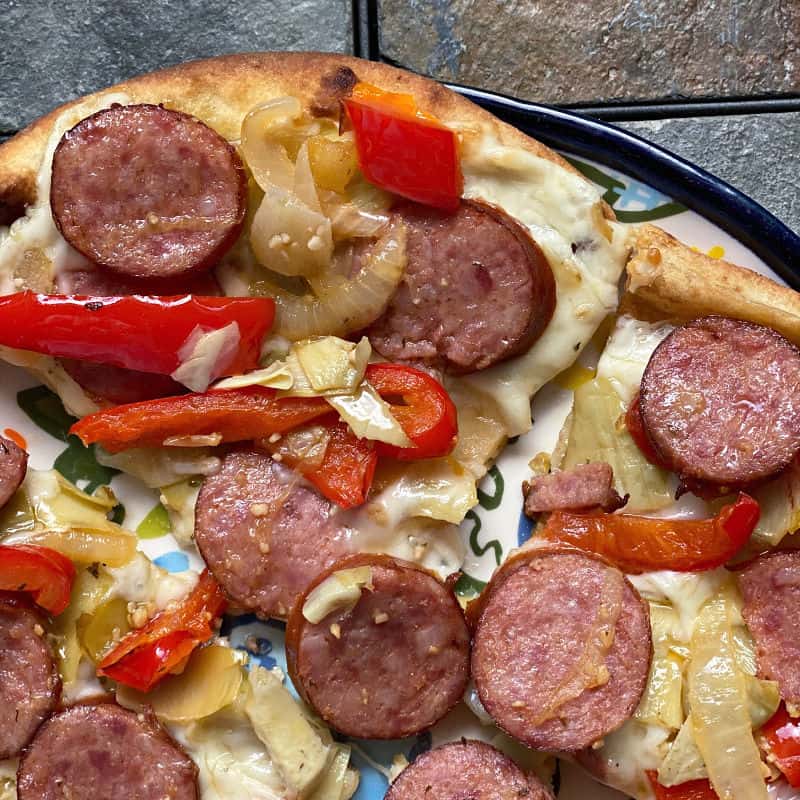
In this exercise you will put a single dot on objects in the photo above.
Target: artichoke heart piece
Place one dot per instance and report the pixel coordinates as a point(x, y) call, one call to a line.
point(293, 744)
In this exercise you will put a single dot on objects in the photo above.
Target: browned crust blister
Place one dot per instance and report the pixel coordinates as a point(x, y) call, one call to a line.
point(220, 91)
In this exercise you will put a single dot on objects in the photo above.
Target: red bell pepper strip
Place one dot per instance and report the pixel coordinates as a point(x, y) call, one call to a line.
point(422, 407)
point(347, 468)
point(782, 735)
point(691, 790)
point(635, 426)
point(404, 150)
point(642, 544)
point(145, 656)
point(44, 574)
point(139, 332)
point(252, 412)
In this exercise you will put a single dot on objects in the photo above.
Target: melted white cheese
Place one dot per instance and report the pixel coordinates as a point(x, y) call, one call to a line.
point(141, 581)
point(562, 212)
point(687, 592)
point(233, 762)
point(627, 753)
point(627, 352)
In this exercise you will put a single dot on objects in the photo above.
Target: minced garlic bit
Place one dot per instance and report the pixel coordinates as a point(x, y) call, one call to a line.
point(380, 617)
point(518, 704)
point(259, 509)
point(434, 649)
point(274, 437)
point(336, 630)
point(38, 629)
point(277, 457)
point(139, 614)
point(263, 547)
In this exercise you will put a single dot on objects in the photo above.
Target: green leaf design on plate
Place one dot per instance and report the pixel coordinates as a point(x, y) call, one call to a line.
point(476, 546)
point(77, 463)
point(613, 186)
point(467, 586)
point(614, 190)
point(492, 501)
point(45, 409)
point(650, 214)
point(155, 524)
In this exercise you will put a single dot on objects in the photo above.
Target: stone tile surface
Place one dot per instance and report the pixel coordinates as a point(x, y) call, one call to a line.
point(568, 51)
point(54, 50)
point(758, 154)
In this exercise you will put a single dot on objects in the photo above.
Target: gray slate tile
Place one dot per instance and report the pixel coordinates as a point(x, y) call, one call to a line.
point(758, 154)
point(567, 51)
point(54, 50)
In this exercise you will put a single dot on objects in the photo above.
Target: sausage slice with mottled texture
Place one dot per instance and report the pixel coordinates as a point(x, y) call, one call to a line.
point(465, 769)
point(561, 649)
point(117, 385)
point(477, 290)
point(582, 486)
point(263, 534)
point(720, 402)
point(392, 665)
point(13, 466)
point(770, 588)
point(165, 194)
point(29, 682)
point(105, 752)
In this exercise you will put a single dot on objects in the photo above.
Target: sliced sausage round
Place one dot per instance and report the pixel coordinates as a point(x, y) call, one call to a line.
point(770, 588)
point(583, 486)
point(561, 649)
point(477, 290)
point(263, 534)
point(29, 682)
point(117, 385)
point(103, 283)
point(105, 752)
point(392, 665)
point(165, 194)
point(465, 769)
point(13, 467)
point(720, 401)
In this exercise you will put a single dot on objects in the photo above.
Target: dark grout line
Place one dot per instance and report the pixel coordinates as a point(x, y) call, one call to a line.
point(612, 112)
point(372, 24)
point(355, 24)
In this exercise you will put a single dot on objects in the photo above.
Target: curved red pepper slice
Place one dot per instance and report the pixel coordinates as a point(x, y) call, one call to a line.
point(252, 412)
point(422, 407)
point(635, 426)
point(41, 572)
point(144, 333)
point(643, 544)
point(782, 734)
point(691, 790)
point(145, 656)
point(403, 150)
point(347, 469)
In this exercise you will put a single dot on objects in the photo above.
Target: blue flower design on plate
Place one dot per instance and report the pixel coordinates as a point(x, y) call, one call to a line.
point(174, 561)
point(262, 641)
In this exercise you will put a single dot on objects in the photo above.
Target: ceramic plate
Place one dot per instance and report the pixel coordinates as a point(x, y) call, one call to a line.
point(642, 183)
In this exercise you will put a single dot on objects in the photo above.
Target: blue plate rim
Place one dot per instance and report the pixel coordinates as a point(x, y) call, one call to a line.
point(711, 197)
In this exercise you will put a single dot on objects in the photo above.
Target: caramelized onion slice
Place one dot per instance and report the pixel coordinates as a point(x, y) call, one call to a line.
point(340, 305)
point(263, 152)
